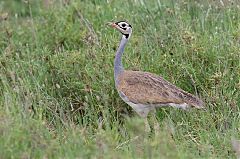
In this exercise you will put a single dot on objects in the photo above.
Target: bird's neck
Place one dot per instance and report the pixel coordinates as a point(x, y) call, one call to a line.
point(118, 67)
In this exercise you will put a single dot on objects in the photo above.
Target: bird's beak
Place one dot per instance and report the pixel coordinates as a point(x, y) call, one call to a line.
point(112, 24)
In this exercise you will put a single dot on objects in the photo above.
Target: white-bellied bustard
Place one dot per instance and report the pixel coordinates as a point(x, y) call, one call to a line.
point(145, 91)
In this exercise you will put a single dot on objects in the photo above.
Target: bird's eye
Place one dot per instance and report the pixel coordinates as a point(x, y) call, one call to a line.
point(123, 25)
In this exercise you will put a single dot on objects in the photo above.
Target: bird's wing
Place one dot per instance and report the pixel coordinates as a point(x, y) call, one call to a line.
point(147, 88)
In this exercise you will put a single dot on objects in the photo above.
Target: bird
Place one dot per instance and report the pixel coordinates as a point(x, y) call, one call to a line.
point(145, 91)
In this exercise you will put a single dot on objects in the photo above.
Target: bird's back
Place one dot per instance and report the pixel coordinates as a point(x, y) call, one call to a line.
point(149, 89)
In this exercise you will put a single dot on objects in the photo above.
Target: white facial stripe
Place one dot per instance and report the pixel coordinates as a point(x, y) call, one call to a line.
point(123, 25)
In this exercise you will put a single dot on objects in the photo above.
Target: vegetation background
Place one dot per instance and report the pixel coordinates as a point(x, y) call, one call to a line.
point(57, 95)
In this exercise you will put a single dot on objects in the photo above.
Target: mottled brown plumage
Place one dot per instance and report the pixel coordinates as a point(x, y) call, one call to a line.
point(150, 89)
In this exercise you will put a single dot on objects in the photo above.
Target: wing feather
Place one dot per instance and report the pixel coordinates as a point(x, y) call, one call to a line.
point(148, 88)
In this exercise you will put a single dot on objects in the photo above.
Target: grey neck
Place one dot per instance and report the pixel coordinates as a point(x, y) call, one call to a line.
point(118, 67)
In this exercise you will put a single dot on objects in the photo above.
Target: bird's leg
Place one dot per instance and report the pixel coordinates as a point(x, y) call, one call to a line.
point(147, 126)
point(155, 122)
point(152, 123)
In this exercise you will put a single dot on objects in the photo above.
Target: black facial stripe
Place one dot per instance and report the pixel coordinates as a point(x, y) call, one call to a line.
point(119, 22)
point(123, 21)
point(126, 35)
point(123, 28)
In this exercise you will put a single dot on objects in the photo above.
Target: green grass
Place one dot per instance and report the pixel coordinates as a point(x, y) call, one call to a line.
point(57, 92)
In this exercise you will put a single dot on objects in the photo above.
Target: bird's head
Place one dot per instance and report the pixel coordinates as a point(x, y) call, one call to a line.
point(123, 27)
